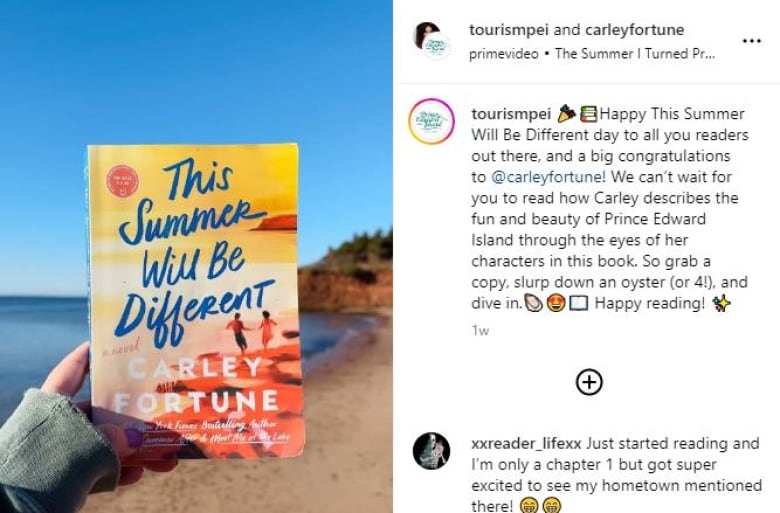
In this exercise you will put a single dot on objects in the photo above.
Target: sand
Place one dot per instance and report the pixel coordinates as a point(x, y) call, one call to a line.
point(346, 465)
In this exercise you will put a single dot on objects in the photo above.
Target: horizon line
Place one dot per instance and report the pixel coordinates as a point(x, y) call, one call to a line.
point(39, 295)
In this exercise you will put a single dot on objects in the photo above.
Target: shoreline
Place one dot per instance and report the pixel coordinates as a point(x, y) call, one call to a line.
point(335, 355)
point(346, 465)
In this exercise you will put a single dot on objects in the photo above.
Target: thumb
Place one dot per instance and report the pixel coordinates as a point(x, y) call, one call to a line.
point(68, 376)
point(117, 438)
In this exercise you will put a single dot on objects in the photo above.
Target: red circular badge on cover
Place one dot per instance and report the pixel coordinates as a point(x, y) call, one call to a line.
point(122, 181)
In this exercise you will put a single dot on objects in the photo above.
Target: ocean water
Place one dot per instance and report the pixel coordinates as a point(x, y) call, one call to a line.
point(36, 332)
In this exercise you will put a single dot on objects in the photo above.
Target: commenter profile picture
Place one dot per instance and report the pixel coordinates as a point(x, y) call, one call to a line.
point(431, 451)
point(431, 121)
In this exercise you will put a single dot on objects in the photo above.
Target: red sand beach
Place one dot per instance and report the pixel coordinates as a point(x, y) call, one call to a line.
point(346, 465)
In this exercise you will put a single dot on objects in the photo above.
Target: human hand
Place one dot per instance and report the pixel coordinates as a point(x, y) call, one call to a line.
point(66, 379)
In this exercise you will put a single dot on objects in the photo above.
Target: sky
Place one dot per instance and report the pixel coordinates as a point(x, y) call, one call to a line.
point(79, 73)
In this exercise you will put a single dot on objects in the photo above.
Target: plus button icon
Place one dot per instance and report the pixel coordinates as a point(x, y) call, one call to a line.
point(589, 382)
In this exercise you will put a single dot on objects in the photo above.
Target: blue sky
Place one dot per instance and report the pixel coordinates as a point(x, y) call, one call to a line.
point(187, 72)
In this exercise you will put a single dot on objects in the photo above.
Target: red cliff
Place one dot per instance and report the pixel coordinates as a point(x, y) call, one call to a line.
point(358, 289)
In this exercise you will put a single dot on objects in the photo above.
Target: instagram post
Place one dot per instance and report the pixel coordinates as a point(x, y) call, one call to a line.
point(394, 256)
point(196, 286)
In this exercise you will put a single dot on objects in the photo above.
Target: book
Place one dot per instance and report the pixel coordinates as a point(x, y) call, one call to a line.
point(589, 114)
point(193, 299)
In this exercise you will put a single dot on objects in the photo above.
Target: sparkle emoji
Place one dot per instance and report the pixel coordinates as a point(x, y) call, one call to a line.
point(551, 505)
point(533, 303)
point(556, 302)
point(529, 505)
point(721, 303)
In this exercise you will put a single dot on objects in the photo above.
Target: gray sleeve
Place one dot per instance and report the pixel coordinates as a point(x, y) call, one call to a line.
point(51, 457)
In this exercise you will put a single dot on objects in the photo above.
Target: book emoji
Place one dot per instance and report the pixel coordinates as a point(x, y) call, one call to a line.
point(193, 303)
point(589, 114)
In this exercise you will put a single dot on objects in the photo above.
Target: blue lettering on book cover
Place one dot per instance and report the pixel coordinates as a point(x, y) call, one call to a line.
point(164, 312)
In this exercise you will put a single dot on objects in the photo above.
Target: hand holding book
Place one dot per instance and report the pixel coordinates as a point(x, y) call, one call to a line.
point(51, 454)
point(66, 379)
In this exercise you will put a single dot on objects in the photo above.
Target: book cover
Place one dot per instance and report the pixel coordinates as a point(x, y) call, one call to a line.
point(194, 325)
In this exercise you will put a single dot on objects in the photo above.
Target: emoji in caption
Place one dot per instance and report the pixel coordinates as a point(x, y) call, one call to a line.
point(532, 303)
point(529, 505)
point(566, 114)
point(721, 303)
point(556, 302)
point(589, 114)
point(551, 505)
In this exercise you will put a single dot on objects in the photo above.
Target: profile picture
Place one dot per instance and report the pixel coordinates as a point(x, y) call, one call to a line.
point(431, 451)
point(422, 30)
point(431, 121)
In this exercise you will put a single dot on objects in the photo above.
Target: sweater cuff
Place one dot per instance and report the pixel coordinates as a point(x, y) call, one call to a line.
point(49, 448)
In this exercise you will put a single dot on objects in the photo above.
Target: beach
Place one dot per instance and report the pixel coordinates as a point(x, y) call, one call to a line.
point(346, 465)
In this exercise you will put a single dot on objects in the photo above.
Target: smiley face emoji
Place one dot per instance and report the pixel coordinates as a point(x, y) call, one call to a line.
point(551, 505)
point(556, 302)
point(529, 505)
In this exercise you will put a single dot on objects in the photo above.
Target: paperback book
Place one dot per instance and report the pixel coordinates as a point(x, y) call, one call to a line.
point(194, 324)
